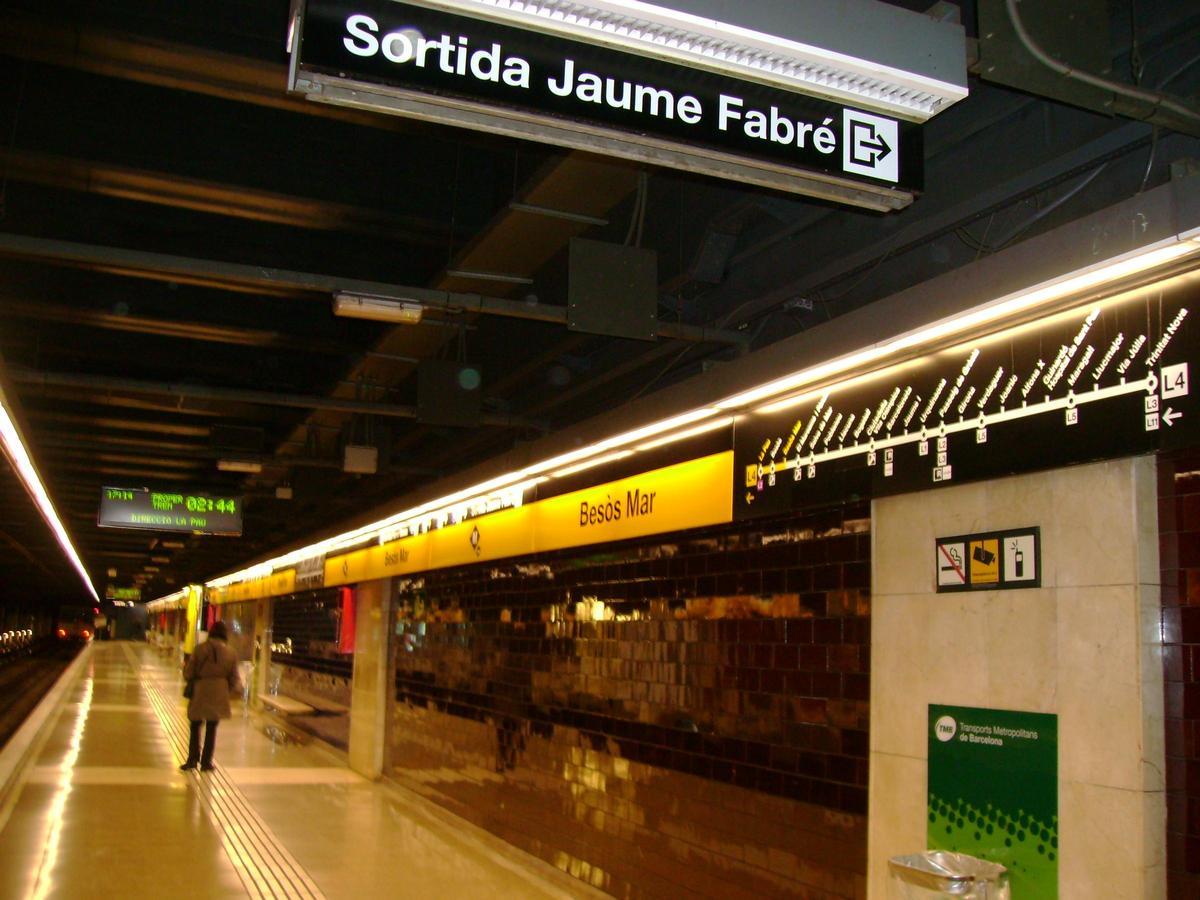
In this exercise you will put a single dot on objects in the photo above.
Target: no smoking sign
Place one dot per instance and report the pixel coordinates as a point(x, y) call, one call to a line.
point(990, 561)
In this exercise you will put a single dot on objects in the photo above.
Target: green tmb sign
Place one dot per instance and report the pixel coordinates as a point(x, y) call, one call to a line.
point(993, 791)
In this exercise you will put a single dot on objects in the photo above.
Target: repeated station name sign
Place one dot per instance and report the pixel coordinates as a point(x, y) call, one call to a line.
point(1098, 382)
point(166, 510)
point(409, 47)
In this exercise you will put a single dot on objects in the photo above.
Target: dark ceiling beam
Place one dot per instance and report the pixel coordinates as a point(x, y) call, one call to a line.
point(118, 554)
point(236, 395)
point(30, 557)
point(237, 201)
point(156, 461)
point(97, 447)
point(139, 425)
point(537, 364)
point(186, 68)
point(194, 331)
point(123, 472)
point(262, 279)
point(45, 345)
point(924, 226)
point(56, 437)
point(921, 227)
point(141, 405)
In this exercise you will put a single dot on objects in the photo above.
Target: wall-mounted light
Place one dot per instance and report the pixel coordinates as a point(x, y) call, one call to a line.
point(592, 463)
point(250, 466)
point(377, 309)
point(22, 462)
point(1159, 258)
point(1018, 303)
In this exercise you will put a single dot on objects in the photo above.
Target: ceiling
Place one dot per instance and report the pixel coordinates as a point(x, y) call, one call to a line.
point(173, 225)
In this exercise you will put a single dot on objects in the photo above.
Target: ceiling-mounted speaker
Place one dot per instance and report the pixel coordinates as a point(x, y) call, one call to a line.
point(358, 459)
point(612, 289)
point(712, 256)
point(449, 393)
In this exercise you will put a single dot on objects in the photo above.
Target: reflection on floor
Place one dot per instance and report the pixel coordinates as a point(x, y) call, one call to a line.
point(103, 812)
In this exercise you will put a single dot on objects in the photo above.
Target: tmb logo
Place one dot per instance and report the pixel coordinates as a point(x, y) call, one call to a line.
point(945, 728)
point(870, 145)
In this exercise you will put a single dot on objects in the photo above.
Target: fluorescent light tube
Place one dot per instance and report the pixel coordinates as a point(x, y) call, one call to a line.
point(14, 448)
point(701, 42)
point(377, 309)
point(592, 463)
point(694, 422)
point(239, 465)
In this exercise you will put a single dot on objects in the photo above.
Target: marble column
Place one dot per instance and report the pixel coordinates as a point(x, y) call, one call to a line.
point(1085, 646)
point(264, 612)
point(371, 692)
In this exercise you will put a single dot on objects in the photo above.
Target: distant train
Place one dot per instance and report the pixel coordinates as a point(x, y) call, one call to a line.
point(74, 623)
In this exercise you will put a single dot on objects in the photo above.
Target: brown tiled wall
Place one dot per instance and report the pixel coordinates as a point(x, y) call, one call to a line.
point(709, 741)
point(305, 629)
point(306, 664)
point(1179, 548)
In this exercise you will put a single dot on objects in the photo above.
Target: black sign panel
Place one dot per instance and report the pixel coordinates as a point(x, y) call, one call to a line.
point(403, 46)
point(1095, 383)
point(169, 510)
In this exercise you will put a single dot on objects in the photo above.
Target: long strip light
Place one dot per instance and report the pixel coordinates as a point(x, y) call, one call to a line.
point(778, 394)
point(1004, 307)
point(704, 428)
point(701, 42)
point(592, 463)
point(14, 448)
point(167, 601)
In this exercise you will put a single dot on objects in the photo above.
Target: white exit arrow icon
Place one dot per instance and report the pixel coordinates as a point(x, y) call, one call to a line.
point(876, 146)
point(1170, 416)
point(870, 145)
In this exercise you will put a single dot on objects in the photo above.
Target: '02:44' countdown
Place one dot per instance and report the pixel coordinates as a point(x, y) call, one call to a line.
point(208, 504)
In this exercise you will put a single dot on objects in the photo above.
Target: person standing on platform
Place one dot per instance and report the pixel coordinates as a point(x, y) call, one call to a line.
point(214, 670)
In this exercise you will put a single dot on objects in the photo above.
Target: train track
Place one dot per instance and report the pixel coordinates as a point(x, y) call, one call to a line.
point(26, 679)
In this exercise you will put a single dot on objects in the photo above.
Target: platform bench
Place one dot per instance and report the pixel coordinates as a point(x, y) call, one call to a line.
point(286, 705)
point(329, 708)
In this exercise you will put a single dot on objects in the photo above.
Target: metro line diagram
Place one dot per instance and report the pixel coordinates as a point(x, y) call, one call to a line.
point(1096, 382)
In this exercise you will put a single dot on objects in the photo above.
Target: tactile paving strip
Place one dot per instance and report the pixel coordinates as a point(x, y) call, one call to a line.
point(264, 865)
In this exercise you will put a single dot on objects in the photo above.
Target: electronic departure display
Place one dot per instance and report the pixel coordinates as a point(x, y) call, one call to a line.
point(194, 512)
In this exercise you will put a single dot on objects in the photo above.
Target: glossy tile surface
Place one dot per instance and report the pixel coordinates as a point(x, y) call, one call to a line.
point(683, 716)
point(104, 813)
point(1178, 623)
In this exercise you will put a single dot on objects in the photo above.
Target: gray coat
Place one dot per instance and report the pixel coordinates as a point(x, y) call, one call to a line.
point(215, 668)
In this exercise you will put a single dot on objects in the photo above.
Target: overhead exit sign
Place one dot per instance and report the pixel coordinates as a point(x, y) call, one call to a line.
point(407, 59)
point(193, 512)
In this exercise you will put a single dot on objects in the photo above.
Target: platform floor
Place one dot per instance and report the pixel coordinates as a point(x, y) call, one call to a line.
point(102, 811)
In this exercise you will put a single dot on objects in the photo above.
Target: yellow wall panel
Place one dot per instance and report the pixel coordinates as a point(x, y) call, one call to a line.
point(675, 498)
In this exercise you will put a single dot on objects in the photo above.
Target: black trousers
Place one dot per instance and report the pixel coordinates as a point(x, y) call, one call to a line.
point(210, 743)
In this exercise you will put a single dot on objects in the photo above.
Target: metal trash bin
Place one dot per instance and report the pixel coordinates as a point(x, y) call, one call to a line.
point(940, 873)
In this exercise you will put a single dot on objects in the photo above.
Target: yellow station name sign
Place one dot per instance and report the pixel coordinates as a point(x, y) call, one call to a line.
point(270, 586)
point(686, 495)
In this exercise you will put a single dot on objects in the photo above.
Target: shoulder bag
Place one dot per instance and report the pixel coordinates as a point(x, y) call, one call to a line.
point(189, 686)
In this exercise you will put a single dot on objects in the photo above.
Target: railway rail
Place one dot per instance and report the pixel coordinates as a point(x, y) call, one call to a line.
point(25, 679)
